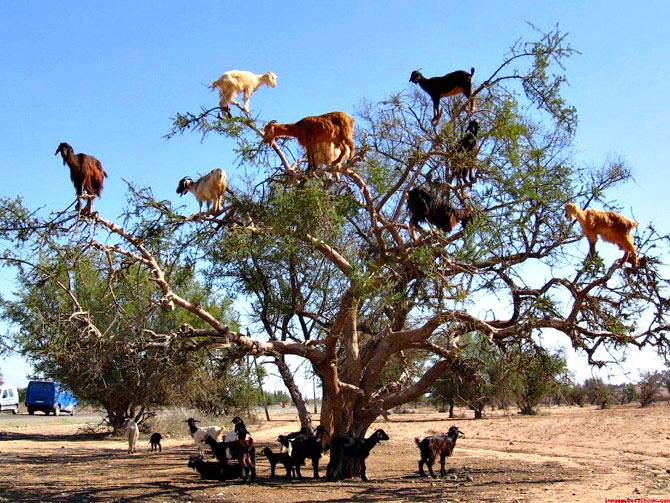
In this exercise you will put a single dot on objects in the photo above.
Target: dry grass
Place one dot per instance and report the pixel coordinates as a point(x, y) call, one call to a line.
point(564, 454)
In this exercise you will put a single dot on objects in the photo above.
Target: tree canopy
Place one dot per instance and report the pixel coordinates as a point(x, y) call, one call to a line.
point(331, 272)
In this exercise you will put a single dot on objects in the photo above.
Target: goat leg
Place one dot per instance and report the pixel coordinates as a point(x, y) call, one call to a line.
point(421, 472)
point(315, 464)
point(364, 477)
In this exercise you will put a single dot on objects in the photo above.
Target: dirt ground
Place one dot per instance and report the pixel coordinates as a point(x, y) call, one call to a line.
point(563, 454)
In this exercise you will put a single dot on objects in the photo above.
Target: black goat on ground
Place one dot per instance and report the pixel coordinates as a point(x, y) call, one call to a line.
point(155, 441)
point(451, 84)
point(312, 446)
point(213, 470)
point(434, 446)
point(286, 441)
point(358, 448)
point(282, 457)
point(425, 207)
point(464, 150)
point(240, 450)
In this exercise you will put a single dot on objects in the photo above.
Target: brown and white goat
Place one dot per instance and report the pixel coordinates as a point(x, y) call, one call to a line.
point(610, 226)
point(327, 139)
point(236, 81)
point(434, 446)
point(86, 174)
point(209, 188)
point(451, 84)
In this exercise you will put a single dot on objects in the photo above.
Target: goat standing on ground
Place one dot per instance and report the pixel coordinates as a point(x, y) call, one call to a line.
point(611, 226)
point(236, 81)
point(282, 457)
point(458, 82)
point(132, 434)
point(209, 188)
point(240, 449)
point(322, 137)
point(437, 445)
point(425, 207)
point(358, 448)
point(312, 446)
point(199, 433)
point(86, 174)
point(465, 151)
point(155, 441)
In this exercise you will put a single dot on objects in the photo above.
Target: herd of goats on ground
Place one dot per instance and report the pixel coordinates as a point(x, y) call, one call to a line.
point(328, 141)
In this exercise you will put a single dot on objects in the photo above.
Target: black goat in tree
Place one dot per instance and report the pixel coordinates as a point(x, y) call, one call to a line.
point(451, 84)
point(86, 174)
point(347, 446)
point(465, 151)
point(425, 207)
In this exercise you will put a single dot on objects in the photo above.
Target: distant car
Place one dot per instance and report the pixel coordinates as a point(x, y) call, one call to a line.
point(49, 397)
point(9, 398)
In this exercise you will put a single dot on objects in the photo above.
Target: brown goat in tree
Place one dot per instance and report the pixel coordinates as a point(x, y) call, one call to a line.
point(611, 226)
point(86, 174)
point(332, 128)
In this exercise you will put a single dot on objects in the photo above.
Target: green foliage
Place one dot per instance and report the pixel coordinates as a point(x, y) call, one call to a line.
point(650, 385)
point(536, 375)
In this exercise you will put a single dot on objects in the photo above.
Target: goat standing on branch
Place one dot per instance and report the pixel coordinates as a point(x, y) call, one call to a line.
point(425, 207)
point(327, 139)
point(235, 81)
point(465, 152)
point(86, 174)
point(209, 188)
point(458, 82)
point(611, 226)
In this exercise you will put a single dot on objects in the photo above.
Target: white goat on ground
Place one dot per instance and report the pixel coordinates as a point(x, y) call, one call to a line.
point(200, 432)
point(132, 434)
point(209, 188)
point(236, 81)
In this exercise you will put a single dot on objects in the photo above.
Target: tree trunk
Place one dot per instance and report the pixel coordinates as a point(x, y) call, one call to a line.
point(479, 413)
point(294, 391)
point(451, 410)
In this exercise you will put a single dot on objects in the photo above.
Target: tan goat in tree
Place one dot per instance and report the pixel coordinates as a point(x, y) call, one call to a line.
point(610, 226)
point(327, 139)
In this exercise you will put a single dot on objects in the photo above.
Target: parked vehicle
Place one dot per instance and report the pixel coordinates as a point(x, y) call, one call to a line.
point(9, 398)
point(49, 397)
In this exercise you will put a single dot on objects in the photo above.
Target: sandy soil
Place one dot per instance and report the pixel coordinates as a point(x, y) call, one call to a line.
point(564, 454)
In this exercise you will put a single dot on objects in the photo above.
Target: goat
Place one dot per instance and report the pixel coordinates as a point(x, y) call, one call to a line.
point(132, 434)
point(465, 153)
point(451, 84)
point(321, 136)
point(155, 441)
point(86, 174)
point(358, 448)
point(209, 188)
point(241, 449)
point(437, 445)
point(286, 441)
point(312, 446)
point(199, 433)
point(213, 470)
point(425, 207)
point(611, 226)
point(282, 457)
point(235, 81)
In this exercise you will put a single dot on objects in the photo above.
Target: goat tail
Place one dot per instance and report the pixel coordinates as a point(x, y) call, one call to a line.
point(417, 441)
point(472, 71)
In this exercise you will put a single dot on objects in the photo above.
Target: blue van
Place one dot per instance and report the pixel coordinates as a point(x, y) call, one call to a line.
point(49, 397)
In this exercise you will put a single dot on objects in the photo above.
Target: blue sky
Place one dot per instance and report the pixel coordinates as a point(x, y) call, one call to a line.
point(107, 76)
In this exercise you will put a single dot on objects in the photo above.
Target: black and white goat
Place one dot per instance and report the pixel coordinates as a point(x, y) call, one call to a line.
point(199, 433)
point(451, 84)
point(437, 445)
point(425, 207)
point(351, 447)
point(209, 189)
point(309, 446)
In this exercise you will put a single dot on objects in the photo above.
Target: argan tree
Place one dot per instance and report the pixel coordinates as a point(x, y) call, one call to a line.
point(333, 277)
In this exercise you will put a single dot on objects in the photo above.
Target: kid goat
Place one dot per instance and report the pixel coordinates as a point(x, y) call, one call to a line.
point(611, 226)
point(458, 82)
